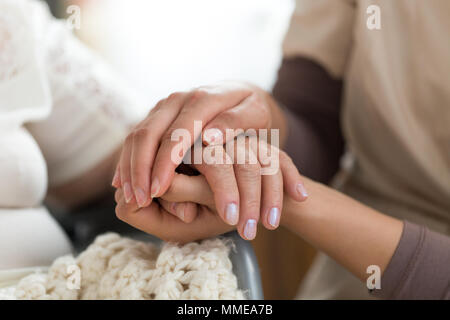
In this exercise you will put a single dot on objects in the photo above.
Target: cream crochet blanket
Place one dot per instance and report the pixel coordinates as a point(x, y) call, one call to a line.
point(113, 267)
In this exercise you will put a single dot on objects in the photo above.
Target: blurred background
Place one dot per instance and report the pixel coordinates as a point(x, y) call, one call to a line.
point(163, 46)
point(160, 47)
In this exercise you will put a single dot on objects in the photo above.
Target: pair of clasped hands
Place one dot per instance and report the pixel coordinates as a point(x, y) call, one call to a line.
point(154, 197)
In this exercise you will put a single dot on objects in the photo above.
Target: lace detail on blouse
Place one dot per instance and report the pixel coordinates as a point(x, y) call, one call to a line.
point(13, 36)
point(77, 74)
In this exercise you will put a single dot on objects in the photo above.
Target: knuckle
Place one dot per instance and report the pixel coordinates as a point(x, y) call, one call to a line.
point(259, 103)
point(250, 169)
point(198, 94)
point(129, 138)
point(171, 139)
point(140, 134)
point(175, 96)
point(170, 100)
point(253, 205)
point(167, 136)
point(275, 193)
point(155, 111)
point(227, 120)
point(219, 168)
point(286, 158)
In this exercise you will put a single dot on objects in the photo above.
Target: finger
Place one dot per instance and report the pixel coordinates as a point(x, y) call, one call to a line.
point(125, 174)
point(248, 176)
point(116, 179)
point(252, 113)
point(141, 162)
point(190, 189)
point(272, 200)
point(218, 171)
point(157, 221)
point(272, 185)
point(202, 106)
point(145, 140)
point(122, 207)
point(292, 180)
point(118, 195)
point(185, 211)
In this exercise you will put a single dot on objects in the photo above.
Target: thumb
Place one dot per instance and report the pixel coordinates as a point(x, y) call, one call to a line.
point(190, 189)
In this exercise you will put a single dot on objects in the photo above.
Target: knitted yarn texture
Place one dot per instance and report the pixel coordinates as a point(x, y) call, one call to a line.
point(114, 267)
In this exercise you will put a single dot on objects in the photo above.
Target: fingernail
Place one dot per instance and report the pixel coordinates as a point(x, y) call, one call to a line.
point(127, 192)
point(231, 214)
point(155, 188)
point(115, 180)
point(141, 197)
point(273, 217)
point(250, 229)
point(301, 189)
point(213, 136)
point(180, 210)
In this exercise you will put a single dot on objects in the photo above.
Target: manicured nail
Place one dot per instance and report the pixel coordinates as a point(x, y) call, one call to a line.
point(274, 213)
point(155, 188)
point(231, 214)
point(180, 210)
point(115, 180)
point(127, 192)
point(141, 197)
point(250, 229)
point(301, 189)
point(213, 136)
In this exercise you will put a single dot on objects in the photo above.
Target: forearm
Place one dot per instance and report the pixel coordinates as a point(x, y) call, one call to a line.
point(312, 133)
point(353, 234)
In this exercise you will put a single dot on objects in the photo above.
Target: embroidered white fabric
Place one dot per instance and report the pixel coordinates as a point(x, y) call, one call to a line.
point(62, 111)
point(114, 267)
point(12, 37)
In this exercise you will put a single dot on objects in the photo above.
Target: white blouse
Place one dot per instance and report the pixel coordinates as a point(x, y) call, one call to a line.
point(61, 112)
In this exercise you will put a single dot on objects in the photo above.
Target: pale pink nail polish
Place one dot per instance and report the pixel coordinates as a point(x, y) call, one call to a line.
point(128, 194)
point(231, 214)
point(155, 188)
point(274, 215)
point(250, 229)
point(301, 189)
point(115, 180)
point(141, 197)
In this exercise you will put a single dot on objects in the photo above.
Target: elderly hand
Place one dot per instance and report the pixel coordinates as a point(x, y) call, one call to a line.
point(241, 194)
point(176, 201)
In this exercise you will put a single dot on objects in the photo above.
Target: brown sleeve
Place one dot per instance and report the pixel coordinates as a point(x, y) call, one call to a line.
point(312, 100)
point(419, 268)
